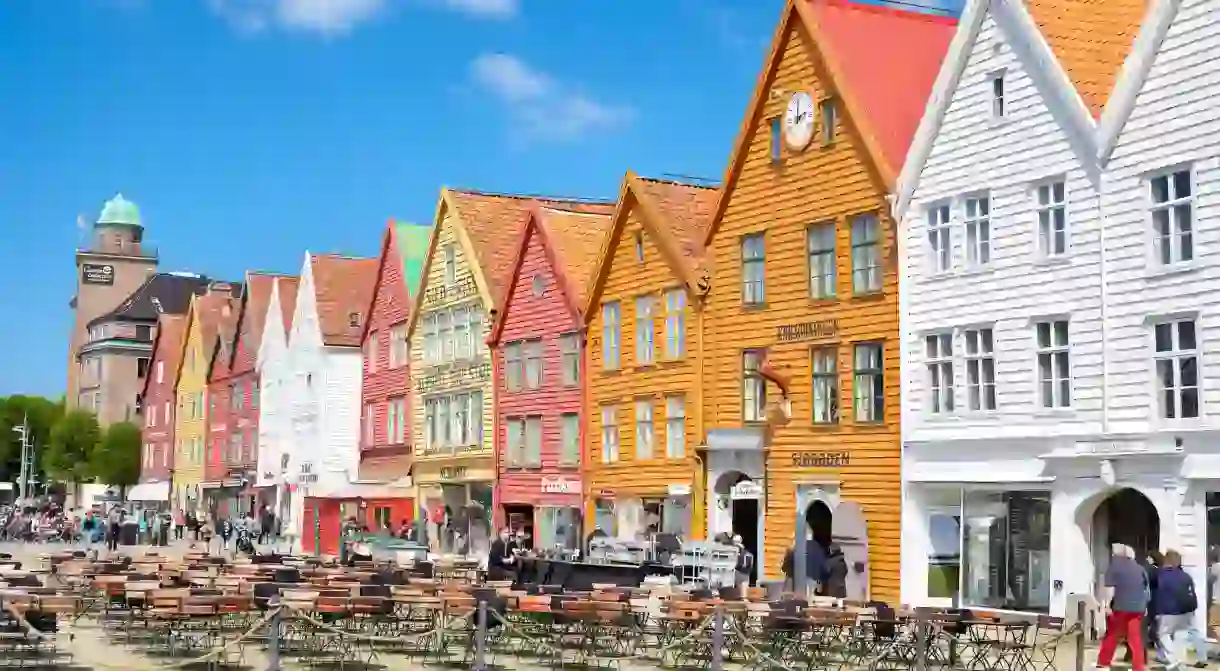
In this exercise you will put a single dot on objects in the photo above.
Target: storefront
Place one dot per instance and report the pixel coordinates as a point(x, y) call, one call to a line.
point(547, 507)
point(980, 532)
point(458, 504)
point(736, 491)
point(638, 513)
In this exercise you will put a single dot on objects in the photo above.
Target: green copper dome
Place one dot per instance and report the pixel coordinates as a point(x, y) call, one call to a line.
point(120, 211)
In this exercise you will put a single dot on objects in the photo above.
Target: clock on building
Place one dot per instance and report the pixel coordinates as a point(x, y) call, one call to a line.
point(798, 121)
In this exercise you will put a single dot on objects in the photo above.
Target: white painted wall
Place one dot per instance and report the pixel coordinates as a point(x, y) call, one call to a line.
point(343, 368)
point(273, 428)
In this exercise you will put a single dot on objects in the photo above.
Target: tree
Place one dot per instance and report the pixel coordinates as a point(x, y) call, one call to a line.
point(74, 439)
point(116, 461)
point(42, 414)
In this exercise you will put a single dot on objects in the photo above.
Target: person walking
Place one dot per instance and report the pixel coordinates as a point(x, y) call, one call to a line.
point(1174, 604)
point(836, 572)
point(1127, 584)
point(155, 528)
point(115, 524)
point(743, 572)
point(179, 524)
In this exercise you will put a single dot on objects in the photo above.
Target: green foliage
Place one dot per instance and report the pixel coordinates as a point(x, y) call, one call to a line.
point(41, 413)
point(74, 439)
point(116, 461)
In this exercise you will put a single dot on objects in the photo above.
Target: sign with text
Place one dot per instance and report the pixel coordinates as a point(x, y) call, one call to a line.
point(453, 473)
point(807, 331)
point(825, 459)
point(440, 293)
point(455, 377)
point(97, 273)
point(556, 485)
point(746, 490)
point(306, 475)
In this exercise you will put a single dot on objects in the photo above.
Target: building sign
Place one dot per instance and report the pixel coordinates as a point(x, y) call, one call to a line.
point(821, 459)
point(306, 475)
point(557, 485)
point(677, 490)
point(807, 331)
point(464, 287)
point(97, 273)
point(746, 490)
point(455, 377)
point(453, 473)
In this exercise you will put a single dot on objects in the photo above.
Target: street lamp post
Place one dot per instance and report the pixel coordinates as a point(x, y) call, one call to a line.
point(24, 474)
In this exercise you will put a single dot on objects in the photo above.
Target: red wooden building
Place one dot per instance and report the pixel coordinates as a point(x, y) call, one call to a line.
point(157, 458)
point(222, 486)
point(537, 344)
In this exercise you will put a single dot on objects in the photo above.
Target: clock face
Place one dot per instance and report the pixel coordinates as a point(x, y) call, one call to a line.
point(798, 121)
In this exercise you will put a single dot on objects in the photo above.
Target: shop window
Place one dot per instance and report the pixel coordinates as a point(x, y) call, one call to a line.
point(382, 517)
point(1007, 550)
point(1213, 552)
point(944, 511)
point(604, 516)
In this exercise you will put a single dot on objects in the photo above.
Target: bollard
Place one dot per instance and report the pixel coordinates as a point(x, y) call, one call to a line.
point(273, 634)
point(480, 639)
point(718, 639)
point(921, 640)
point(1080, 635)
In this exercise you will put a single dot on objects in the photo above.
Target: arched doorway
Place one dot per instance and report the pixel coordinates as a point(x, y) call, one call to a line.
point(742, 495)
point(819, 523)
point(1126, 516)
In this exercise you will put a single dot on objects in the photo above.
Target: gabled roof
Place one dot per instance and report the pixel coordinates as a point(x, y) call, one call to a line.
point(570, 241)
point(167, 346)
point(255, 302)
point(161, 293)
point(878, 62)
point(343, 289)
point(488, 226)
point(1091, 39)
point(288, 288)
point(221, 352)
point(410, 241)
point(206, 310)
point(1160, 16)
point(677, 217)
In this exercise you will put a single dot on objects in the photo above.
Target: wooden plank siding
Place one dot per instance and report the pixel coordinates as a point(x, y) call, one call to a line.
point(631, 477)
point(824, 183)
point(528, 316)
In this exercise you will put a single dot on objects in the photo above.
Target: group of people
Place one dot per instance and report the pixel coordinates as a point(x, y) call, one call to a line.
point(1151, 606)
point(506, 550)
point(825, 569)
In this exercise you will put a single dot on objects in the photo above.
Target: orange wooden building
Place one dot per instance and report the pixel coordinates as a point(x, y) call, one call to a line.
point(805, 280)
point(642, 361)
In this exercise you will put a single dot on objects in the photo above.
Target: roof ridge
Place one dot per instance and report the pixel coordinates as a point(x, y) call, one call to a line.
point(713, 185)
point(531, 196)
point(897, 7)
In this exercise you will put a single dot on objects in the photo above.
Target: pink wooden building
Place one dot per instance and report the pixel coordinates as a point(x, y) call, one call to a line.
point(537, 345)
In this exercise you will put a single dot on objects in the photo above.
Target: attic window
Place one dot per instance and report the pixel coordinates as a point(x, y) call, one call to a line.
point(538, 285)
point(777, 139)
point(353, 319)
point(830, 119)
point(997, 95)
point(639, 246)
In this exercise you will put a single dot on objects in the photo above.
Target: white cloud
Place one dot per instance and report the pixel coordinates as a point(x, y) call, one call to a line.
point(543, 108)
point(326, 17)
point(487, 9)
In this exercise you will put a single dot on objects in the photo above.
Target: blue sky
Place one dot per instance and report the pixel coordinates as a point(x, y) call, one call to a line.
point(249, 131)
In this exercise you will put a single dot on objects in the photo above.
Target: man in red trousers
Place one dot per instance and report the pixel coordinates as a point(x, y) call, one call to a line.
point(1128, 585)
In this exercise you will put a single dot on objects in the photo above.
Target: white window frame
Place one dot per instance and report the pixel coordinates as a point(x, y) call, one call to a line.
point(978, 345)
point(569, 449)
point(450, 264)
point(675, 323)
point(370, 351)
point(1183, 242)
point(610, 436)
point(569, 349)
point(1051, 208)
point(822, 260)
point(753, 249)
point(432, 341)
point(532, 353)
point(160, 372)
point(514, 366)
point(391, 421)
point(645, 329)
point(976, 226)
point(399, 437)
point(533, 441)
point(999, 99)
point(369, 427)
point(462, 344)
point(675, 426)
point(940, 238)
point(753, 387)
point(867, 406)
point(1051, 351)
point(645, 436)
point(824, 367)
point(612, 319)
point(1177, 357)
point(867, 276)
point(399, 349)
point(478, 342)
point(515, 440)
point(444, 329)
point(938, 349)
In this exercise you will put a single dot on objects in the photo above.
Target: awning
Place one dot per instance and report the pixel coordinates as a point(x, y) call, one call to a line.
point(149, 491)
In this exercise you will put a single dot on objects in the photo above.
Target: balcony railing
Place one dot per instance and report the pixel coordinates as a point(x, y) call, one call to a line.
point(464, 287)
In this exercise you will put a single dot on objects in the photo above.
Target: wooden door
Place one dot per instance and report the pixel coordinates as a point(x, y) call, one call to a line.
point(849, 530)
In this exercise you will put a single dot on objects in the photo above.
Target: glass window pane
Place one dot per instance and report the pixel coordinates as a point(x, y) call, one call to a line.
point(1181, 184)
point(1007, 550)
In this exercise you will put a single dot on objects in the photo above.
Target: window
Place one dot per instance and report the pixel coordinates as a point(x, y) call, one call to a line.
point(569, 450)
point(753, 387)
point(235, 396)
point(450, 264)
point(997, 95)
point(609, 434)
point(353, 319)
point(516, 442)
point(825, 385)
point(643, 429)
point(474, 421)
point(398, 345)
point(777, 139)
point(865, 254)
point(1173, 217)
point(980, 369)
point(944, 515)
point(569, 352)
point(869, 383)
point(830, 118)
point(821, 246)
point(639, 246)
point(462, 345)
point(1006, 542)
point(370, 419)
point(675, 427)
point(398, 409)
point(152, 415)
point(938, 239)
point(253, 396)
point(1177, 369)
point(370, 352)
point(675, 323)
point(938, 354)
point(1052, 219)
point(978, 231)
point(432, 343)
point(533, 441)
point(444, 328)
point(611, 314)
point(533, 364)
point(168, 414)
point(513, 366)
point(753, 261)
point(538, 286)
point(644, 330)
point(160, 372)
point(142, 367)
point(1054, 364)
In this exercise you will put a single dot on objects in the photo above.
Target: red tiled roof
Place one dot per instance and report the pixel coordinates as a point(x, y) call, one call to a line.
point(288, 287)
point(494, 223)
point(253, 317)
point(575, 239)
point(687, 210)
point(171, 332)
point(888, 60)
point(209, 310)
point(226, 336)
point(343, 286)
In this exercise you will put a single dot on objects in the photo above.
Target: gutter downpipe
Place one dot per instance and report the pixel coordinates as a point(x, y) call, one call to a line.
point(1105, 321)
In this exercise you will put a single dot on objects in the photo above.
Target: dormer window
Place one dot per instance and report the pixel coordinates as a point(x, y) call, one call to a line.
point(639, 246)
point(997, 95)
point(353, 319)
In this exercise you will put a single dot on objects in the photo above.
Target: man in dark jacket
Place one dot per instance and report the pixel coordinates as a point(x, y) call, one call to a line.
point(836, 573)
point(815, 567)
point(1174, 604)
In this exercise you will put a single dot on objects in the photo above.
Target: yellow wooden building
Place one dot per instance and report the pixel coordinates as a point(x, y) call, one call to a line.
point(190, 419)
point(805, 288)
point(641, 467)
